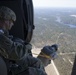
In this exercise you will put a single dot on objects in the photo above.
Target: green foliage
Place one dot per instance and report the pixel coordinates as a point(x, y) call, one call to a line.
point(48, 31)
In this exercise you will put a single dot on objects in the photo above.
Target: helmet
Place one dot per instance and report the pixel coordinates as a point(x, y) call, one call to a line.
point(7, 14)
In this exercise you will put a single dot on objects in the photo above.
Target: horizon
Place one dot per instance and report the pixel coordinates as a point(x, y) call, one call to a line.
point(54, 4)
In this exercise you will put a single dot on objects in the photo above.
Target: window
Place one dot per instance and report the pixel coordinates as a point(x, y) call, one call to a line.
point(55, 22)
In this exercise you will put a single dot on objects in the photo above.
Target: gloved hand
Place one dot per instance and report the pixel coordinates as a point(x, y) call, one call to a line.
point(53, 55)
point(50, 51)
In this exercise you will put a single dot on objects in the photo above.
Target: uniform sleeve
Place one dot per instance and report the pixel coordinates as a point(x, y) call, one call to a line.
point(10, 49)
point(36, 71)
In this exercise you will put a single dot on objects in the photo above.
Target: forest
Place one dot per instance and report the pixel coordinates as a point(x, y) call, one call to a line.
point(56, 25)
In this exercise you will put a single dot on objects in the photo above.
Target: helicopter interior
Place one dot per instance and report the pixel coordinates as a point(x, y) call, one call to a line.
point(23, 26)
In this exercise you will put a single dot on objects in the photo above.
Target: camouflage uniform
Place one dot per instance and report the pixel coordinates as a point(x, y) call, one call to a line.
point(15, 49)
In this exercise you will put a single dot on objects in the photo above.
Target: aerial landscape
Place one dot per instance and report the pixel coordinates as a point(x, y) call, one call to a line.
point(57, 26)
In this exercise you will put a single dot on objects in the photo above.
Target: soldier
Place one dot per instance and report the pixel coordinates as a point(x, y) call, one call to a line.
point(14, 51)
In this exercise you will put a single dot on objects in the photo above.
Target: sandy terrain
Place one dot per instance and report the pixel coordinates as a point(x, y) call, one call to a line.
point(50, 70)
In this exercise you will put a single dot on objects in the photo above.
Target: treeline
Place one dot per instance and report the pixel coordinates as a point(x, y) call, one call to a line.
point(68, 19)
point(48, 31)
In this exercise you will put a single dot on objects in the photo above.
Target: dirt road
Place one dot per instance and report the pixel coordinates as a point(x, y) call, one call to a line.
point(50, 70)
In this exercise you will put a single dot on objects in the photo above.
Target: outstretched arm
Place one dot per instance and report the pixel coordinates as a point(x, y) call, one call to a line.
point(11, 49)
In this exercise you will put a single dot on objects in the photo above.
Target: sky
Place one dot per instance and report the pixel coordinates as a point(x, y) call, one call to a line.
point(54, 3)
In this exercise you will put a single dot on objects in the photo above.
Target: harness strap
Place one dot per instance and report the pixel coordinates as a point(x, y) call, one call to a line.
point(44, 55)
